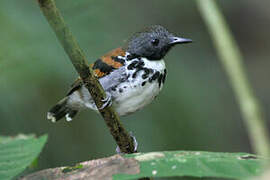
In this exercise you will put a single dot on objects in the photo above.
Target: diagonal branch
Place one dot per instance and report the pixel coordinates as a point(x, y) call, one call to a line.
point(77, 57)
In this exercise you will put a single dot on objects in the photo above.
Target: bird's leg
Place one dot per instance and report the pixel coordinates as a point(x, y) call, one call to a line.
point(118, 150)
point(107, 101)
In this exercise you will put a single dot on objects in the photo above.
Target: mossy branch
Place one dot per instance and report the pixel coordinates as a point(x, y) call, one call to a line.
point(77, 57)
point(232, 61)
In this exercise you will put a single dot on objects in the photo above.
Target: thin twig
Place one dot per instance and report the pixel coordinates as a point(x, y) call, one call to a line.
point(77, 57)
point(232, 61)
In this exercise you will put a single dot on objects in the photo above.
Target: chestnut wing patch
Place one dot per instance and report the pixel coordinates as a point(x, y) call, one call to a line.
point(107, 63)
point(103, 66)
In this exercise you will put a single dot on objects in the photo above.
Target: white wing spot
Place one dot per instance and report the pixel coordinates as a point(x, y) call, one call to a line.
point(68, 118)
point(51, 117)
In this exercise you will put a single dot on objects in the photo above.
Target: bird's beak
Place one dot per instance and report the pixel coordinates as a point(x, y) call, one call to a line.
point(179, 40)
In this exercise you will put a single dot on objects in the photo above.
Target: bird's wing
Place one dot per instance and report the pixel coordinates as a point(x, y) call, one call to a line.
point(75, 86)
point(109, 69)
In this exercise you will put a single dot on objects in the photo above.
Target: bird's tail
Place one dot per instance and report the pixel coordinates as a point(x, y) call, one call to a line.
point(60, 110)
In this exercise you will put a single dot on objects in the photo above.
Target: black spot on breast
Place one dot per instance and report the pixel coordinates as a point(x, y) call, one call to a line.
point(146, 72)
point(125, 87)
point(144, 76)
point(143, 83)
point(140, 64)
point(164, 76)
point(132, 65)
point(120, 90)
point(138, 69)
point(134, 75)
point(129, 57)
point(160, 79)
point(154, 77)
point(128, 75)
point(113, 88)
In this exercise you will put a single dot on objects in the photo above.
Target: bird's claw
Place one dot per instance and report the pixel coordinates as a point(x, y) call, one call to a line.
point(118, 150)
point(107, 101)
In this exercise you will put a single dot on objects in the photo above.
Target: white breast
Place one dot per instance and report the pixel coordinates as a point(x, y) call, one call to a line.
point(157, 65)
point(134, 95)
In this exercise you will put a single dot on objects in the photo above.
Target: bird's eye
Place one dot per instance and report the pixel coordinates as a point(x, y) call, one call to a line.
point(155, 42)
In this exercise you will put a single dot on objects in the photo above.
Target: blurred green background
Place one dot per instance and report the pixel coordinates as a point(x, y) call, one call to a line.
point(196, 109)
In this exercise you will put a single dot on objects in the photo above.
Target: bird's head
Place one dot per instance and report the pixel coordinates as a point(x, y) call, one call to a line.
point(153, 43)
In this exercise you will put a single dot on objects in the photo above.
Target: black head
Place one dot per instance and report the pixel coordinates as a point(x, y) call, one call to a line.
point(153, 43)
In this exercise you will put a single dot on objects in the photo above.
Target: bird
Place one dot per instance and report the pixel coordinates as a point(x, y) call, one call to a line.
point(131, 75)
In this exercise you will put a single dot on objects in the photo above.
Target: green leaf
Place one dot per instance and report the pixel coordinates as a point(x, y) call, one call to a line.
point(16, 153)
point(195, 164)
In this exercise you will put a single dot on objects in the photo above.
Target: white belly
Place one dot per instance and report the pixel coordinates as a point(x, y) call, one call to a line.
point(135, 96)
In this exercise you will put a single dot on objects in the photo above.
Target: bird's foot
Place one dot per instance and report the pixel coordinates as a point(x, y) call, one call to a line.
point(107, 101)
point(118, 150)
